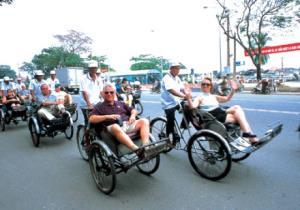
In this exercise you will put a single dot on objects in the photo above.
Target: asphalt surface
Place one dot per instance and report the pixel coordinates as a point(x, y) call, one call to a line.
point(54, 176)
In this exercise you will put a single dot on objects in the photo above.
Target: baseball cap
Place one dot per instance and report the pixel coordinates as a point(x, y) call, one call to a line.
point(93, 64)
point(174, 64)
point(57, 85)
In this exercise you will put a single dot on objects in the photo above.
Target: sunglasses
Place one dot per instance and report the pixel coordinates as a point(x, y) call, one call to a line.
point(206, 84)
point(109, 92)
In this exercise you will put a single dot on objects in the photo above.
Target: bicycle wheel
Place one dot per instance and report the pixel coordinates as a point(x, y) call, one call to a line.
point(2, 121)
point(80, 142)
point(102, 169)
point(237, 156)
point(209, 156)
point(69, 132)
point(139, 107)
point(150, 166)
point(75, 116)
point(35, 136)
point(158, 130)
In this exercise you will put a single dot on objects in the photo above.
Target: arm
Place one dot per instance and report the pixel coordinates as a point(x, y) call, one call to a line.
point(100, 118)
point(86, 98)
point(223, 99)
point(133, 115)
point(176, 93)
point(195, 103)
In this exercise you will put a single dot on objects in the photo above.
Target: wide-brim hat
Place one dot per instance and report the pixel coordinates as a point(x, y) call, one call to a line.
point(39, 73)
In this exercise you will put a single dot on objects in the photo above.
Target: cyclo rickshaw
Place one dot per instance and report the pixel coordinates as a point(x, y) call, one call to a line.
point(107, 157)
point(40, 127)
point(214, 145)
point(15, 114)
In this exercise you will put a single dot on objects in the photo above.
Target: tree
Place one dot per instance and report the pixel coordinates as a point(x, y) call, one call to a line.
point(253, 19)
point(75, 42)
point(28, 67)
point(5, 70)
point(146, 61)
point(56, 57)
point(5, 2)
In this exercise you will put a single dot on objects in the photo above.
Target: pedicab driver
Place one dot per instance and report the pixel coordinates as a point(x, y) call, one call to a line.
point(106, 114)
point(172, 91)
point(36, 83)
point(90, 87)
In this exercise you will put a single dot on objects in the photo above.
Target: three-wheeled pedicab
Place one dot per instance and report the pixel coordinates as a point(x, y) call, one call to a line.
point(213, 145)
point(107, 157)
point(40, 127)
point(14, 114)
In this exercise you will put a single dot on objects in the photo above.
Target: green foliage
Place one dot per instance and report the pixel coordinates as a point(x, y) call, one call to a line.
point(28, 67)
point(146, 61)
point(6, 70)
point(55, 57)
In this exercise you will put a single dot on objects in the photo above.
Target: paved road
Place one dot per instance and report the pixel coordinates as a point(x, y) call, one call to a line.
point(54, 176)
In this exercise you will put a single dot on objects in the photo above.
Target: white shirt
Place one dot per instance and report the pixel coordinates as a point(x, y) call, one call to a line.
point(19, 86)
point(36, 86)
point(5, 87)
point(209, 101)
point(92, 88)
point(52, 83)
point(169, 82)
point(60, 96)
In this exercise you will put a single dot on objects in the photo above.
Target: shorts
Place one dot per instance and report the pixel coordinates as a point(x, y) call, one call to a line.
point(127, 128)
point(219, 113)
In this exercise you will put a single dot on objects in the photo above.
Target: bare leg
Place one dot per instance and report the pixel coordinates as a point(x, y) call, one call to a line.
point(236, 114)
point(123, 137)
point(143, 126)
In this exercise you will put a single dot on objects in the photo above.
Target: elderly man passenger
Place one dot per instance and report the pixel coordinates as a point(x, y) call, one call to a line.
point(107, 113)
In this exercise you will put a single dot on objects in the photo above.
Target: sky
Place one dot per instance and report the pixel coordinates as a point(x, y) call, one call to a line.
point(179, 30)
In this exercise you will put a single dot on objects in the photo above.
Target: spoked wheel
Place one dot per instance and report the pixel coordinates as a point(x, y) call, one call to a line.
point(102, 169)
point(237, 156)
point(69, 131)
point(75, 116)
point(158, 130)
point(35, 136)
point(80, 142)
point(209, 156)
point(2, 121)
point(139, 107)
point(150, 166)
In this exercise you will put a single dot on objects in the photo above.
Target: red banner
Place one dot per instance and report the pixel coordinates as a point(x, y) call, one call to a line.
point(277, 49)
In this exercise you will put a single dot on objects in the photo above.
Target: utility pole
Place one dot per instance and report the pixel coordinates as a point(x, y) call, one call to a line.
point(228, 42)
point(234, 58)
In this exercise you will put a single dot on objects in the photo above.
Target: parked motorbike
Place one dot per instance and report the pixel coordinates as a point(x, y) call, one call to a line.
point(258, 90)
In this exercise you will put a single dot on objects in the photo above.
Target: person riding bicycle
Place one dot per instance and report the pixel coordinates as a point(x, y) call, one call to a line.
point(5, 85)
point(35, 85)
point(172, 90)
point(211, 103)
point(52, 80)
point(108, 113)
point(90, 87)
point(50, 106)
